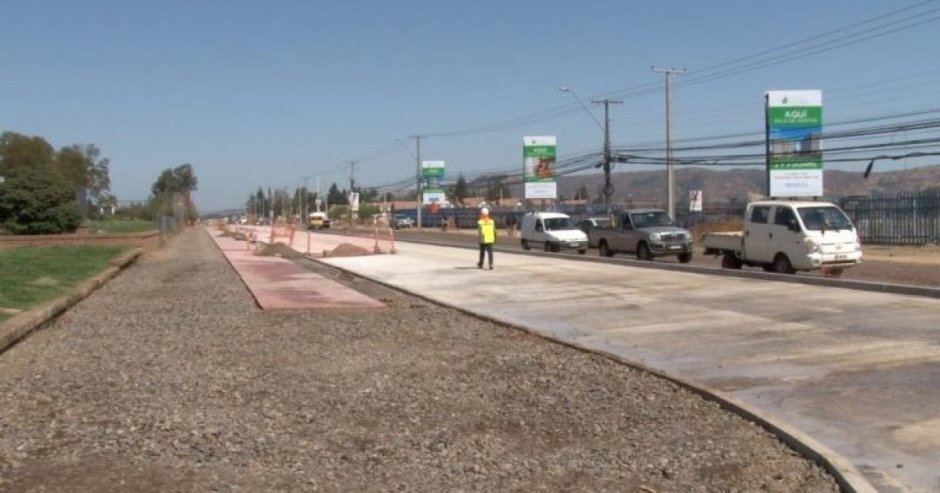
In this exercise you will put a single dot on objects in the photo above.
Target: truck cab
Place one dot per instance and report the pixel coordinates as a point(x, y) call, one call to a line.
point(809, 235)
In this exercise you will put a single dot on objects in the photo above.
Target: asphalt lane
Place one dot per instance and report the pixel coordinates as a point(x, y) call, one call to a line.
point(856, 370)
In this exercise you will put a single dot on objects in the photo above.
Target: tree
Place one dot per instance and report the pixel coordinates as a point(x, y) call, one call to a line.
point(496, 190)
point(35, 201)
point(179, 180)
point(85, 171)
point(368, 195)
point(174, 185)
point(582, 193)
point(34, 196)
point(460, 190)
point(19, 151)
point(336, 197)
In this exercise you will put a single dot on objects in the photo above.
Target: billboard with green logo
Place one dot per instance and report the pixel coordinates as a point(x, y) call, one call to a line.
point(794, 143)
point(538, 167)
point(432, 176)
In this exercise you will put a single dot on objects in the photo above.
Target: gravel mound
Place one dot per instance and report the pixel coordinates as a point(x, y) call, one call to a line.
point(169, 378)
point(279, 250)
point(348, 250)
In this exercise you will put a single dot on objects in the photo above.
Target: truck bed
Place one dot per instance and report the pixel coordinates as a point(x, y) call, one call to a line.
point(726, 241)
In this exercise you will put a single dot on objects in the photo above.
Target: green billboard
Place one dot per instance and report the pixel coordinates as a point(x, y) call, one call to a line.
point(794, 143)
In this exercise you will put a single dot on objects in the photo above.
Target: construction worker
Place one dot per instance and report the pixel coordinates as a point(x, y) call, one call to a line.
point(486, 227)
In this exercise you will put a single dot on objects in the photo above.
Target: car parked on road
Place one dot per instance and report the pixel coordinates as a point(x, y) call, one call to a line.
point(401, 221)
point(648, 233)
point(589, 223)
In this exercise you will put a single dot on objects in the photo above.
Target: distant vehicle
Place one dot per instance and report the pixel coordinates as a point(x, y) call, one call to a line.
point(787, 236)
point(401, 221)
point(318, 220)
point(552, 231)
point(589, 223)
point(647, 233)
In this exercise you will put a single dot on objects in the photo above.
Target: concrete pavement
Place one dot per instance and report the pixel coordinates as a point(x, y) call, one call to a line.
point(857, 371)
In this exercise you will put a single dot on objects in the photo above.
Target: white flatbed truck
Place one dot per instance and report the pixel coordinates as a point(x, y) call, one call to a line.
point(786, 236)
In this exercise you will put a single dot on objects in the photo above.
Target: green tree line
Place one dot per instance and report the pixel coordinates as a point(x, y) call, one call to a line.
point(48, 191)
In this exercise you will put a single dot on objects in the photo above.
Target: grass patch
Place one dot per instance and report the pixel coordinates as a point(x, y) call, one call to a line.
point(35, 275)
point(120, 226)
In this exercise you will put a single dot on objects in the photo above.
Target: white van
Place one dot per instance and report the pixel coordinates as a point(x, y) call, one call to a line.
point(551, 231)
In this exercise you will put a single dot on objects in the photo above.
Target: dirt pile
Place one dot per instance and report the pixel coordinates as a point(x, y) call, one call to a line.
point(279, 250)
point(348, 250)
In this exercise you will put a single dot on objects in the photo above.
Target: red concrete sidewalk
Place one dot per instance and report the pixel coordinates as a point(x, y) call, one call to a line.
point(277, 283)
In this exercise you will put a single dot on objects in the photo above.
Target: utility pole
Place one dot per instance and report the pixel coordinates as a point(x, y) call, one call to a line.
point(352, 189)
point(670, 173)
point(319, 199)
point(608, 186)
point(305, 202)
point(418, 179)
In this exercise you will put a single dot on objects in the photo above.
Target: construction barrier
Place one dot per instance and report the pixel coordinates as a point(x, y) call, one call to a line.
point(283, 231)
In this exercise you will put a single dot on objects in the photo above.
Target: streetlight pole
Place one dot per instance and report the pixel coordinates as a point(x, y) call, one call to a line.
point(581, 102)
point(670, 173)
point(605, 129)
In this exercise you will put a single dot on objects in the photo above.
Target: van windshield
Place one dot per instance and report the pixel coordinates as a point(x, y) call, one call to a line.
point(819, 218)
point(558, 224)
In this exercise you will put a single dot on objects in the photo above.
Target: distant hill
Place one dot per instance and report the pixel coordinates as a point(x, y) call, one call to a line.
point(735, 185)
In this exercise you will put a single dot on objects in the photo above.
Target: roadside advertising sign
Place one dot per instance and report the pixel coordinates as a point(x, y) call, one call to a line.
point(432, 176)
point(794, 143)
point(538, 167)
point(695, 201)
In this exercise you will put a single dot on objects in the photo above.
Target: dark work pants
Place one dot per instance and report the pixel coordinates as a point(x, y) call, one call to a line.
point(488, 249)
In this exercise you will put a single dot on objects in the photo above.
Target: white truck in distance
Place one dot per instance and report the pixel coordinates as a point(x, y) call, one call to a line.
point(788, 236)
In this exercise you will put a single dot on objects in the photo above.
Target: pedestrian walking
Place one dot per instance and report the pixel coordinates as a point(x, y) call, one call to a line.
point(487, 231)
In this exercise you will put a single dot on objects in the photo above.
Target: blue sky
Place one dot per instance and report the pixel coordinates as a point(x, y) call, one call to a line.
point(266, 93)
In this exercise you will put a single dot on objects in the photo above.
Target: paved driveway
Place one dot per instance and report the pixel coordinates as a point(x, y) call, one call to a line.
point(858, 371)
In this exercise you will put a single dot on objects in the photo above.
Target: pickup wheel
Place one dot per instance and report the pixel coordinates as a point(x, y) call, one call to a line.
point(685, 258)
point(547, 247)
point(582, 251)
point(730, 261)
point(643, 252)
point(782, 265)
point(525, 245)
point(604, 250)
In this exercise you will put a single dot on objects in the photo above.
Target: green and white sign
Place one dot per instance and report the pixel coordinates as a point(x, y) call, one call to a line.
point(794, 143)
point(432, 176)
point(538, 167)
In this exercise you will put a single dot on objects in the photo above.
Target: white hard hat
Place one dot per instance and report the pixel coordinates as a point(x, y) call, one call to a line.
point(485, 211)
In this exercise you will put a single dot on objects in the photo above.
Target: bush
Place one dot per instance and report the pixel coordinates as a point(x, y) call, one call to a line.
point(36, 201)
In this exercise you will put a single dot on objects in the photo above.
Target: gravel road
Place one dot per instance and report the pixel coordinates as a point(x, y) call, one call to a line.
point(170, 379)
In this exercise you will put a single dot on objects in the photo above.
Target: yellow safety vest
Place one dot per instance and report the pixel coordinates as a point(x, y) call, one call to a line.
point(487, 230)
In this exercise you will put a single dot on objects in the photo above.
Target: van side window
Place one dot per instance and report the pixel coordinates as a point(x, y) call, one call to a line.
point(760, 214)
point(784, 217)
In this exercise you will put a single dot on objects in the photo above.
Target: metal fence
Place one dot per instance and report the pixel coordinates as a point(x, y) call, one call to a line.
point(905, 218)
